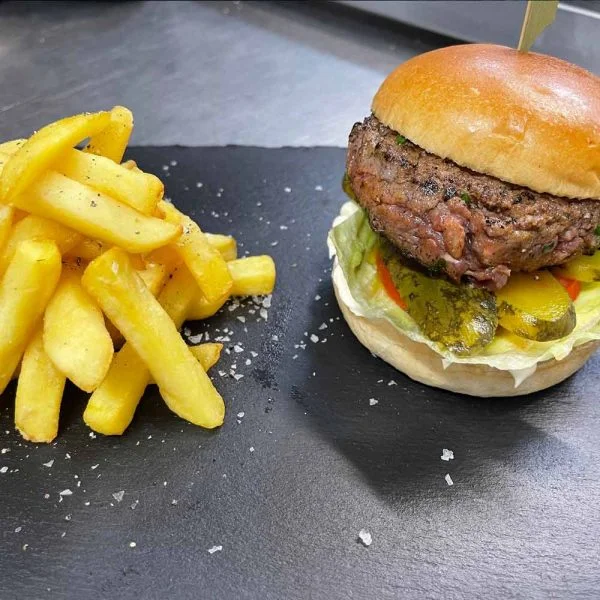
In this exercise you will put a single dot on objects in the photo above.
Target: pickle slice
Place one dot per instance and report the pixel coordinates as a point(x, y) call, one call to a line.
point(460, 317)
point(582, 268)
point(536, 306)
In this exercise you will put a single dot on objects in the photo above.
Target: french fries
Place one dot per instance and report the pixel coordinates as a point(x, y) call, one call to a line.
point(92, 259)
point(37, 228)
point(26, 287)
point(128, 303)
point(39, 393)
point(137, 189)
point(204, 261)
point(75, 336)
point(252, 276)
point(94, 214)
point(44, 147)
point(225, 244)
point(112, 141)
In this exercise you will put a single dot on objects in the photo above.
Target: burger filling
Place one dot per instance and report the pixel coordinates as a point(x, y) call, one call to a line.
point(471, 226)
point(460, 260)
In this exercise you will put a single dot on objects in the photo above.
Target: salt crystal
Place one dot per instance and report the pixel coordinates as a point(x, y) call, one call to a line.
point(241, 414)
point(92, 435)
point(18, 529)
point(95, 466)
point(66, 492)
point(447, 454)
point(49, 463)
point(237, 349)
point(254, 354)
point(195, 339)
point(449, 479)
point(241, 319)
point(266, 302)
point(237, 376)
point(373, 402)
point(132, 544)
point(317, 298)
point(314, 338)
point(173, 163)
point(318, 188)
point(275, 338)
point(134, 505)
point(263, 313)
point(118, 496)
point(4, 450)
point(274, 243)
point(283, 227)
point(365, 537)
point(287, 190)
point(199, 184)
point(248, 362)
point(251, 448)
point(215, 549)
point(322, 326)
point(392, 382)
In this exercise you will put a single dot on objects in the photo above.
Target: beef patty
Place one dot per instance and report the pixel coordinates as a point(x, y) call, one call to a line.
point(446, 216)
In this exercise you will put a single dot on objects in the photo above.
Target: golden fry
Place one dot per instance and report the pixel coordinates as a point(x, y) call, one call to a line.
point(146, 325)
point(75, 336)
point(43, 148)
point(86, 249)
point(204, 261)
point(31, 228)
point(252, 276)
point(112, 406)
point(39, 393)
point(7, 214)
point(112, 141)
point(25, 289)
point(9, 148)
point(95, 215)
point(207, 354)
point(225, 244)
point(201, 308)
point(139, 190)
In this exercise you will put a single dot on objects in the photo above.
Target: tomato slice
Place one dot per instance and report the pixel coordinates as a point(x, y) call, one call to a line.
point(388, 283)
point(572, 286)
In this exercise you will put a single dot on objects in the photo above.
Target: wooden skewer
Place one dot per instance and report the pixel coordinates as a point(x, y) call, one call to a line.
point(538, 15)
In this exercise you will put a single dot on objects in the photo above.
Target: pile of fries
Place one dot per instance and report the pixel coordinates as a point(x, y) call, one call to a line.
point(98, 273)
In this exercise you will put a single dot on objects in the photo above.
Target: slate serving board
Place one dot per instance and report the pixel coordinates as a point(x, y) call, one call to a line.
point(286, 490)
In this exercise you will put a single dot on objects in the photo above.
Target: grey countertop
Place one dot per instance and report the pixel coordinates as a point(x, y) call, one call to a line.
point(199, 73)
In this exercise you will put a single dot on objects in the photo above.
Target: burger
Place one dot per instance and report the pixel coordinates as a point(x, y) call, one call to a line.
point(466, 255)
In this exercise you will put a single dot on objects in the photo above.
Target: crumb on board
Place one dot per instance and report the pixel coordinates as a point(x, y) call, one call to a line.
point(215, 549)
point(447, 454)
point(365, 538)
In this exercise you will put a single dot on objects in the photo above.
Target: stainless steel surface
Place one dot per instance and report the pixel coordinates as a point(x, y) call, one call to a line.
point(199, 73)
point(573, 35)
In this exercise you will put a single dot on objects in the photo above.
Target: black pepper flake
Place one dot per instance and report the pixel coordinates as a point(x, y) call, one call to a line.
point(93, 204)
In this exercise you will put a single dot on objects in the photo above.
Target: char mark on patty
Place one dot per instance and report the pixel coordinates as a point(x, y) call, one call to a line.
point(481, 227)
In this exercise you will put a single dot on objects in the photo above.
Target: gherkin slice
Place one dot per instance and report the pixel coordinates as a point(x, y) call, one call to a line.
point(460, 317)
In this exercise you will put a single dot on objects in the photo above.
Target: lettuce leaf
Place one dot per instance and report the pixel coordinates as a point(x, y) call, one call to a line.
point(352, 241)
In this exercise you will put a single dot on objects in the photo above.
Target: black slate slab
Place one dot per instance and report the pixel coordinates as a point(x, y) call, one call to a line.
point(520, 521)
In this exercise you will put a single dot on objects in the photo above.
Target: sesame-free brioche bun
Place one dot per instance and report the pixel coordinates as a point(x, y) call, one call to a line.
point(422, 364)
point(526, 118)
